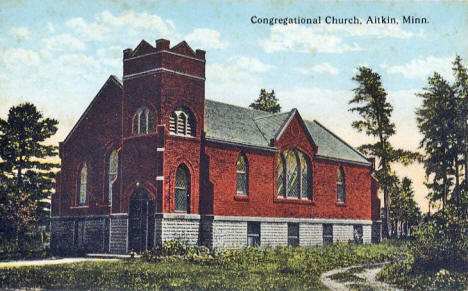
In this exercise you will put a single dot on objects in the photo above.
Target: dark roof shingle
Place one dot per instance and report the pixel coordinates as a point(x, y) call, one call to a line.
point(236, 124)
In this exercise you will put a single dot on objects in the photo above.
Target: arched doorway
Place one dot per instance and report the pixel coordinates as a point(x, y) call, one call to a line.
point(141, 221)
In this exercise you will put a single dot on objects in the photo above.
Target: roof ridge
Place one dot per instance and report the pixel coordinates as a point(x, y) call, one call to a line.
point(271, 115)
point(238, 106)
point(340, 139)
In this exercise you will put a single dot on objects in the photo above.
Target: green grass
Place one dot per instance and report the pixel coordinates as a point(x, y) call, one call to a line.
point(246, 269)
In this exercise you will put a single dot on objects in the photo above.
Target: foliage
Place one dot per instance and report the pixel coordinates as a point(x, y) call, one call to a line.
point(266, 101)
point(26, 178)
point(233, 269)
point(441, 242)
point(370, 102)
point(438, 256)
point(404, 211)
point(442, 121)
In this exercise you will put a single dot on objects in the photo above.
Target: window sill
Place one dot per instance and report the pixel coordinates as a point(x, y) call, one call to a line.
point(294, 201)
point(340, 204)
point(240, 197)
point(79, 207)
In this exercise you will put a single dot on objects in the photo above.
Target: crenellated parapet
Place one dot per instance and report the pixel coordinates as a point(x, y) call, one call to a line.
point(180, 59)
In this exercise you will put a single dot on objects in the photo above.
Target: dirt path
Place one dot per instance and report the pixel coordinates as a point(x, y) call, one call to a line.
point(359, 277)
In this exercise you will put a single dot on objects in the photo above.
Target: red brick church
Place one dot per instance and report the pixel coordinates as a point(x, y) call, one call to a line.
point(151, 159)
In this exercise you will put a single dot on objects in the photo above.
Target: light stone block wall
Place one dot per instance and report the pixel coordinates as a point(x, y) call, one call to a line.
point(179, 227)
point(118, 240)
point(343, 232)
point(310, 234)
point(367, 233)
point(273, 234)
point(229, 234)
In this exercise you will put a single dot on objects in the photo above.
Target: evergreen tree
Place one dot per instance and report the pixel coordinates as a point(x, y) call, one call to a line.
point(403, 208)
point(370, 100)
point(266, 102)
point(27, 177)
point(437, 121)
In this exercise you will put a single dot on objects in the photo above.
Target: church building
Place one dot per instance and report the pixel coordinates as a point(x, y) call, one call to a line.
point(151, 160)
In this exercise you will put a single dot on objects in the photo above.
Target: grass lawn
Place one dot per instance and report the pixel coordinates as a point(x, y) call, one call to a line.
point(246, 269)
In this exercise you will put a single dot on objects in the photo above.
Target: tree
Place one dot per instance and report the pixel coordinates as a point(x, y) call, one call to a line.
point(370, 100)
point(404, 211)
point(27, 177)
point(437, 121)
point(266, 102)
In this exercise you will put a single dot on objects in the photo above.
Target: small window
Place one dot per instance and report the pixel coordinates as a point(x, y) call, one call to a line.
point(143, 121)
point(253, 234)
point(358, 234)
point(182, 189)
point(83, 185)
point(242, 175)
point(327, 234)
point(341, 191)
point(112, 175)
point(181, 122)
point(293, 234)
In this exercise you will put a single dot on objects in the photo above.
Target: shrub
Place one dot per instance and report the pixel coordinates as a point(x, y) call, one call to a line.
point(176, 248)
point(441, 242)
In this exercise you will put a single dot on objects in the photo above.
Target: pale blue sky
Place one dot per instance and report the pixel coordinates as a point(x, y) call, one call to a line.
point(58, 54)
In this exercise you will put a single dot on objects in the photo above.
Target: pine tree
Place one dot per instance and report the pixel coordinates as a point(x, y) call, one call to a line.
point(27, 175)
point(437, 121)
point(370, 100)
point(266, 102)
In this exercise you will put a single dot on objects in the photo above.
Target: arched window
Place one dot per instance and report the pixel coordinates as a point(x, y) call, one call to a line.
point(181, 122)
point(340, 186)
point(83, 185)
point(182, 189)
point(242, 175)
point(294, 175)
point(143, 121)
point(112, 174)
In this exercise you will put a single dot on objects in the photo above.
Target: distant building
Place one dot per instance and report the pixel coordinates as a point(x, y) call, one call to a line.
point(152, 160)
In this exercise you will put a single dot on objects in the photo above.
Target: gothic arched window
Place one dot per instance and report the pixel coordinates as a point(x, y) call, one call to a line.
point(143, 121)
point(112, 174)
point(340, 186)
point(182, 189)
point(242, 175)
point(83, 182)
point(294, 175)
point(181, 122)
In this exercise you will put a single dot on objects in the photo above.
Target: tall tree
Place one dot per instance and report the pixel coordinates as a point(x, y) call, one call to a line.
point(266, 101)
point(27, 174)
point(404, 211)
point(370, 102)
point(460, 88)
point(437, 121)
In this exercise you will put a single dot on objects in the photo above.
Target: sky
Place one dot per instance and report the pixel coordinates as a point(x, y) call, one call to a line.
point(58, 54)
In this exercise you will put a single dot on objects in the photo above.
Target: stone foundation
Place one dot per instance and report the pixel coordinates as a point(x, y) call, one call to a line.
point(103, 234)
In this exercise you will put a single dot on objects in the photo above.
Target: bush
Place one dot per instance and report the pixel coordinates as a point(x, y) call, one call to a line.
point(441, 242)
point(177, 248)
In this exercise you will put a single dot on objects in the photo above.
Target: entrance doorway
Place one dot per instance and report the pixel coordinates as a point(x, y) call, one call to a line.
point(141, 222)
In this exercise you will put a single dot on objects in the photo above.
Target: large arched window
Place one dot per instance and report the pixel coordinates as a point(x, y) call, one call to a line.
point(112, 174)
point(242, 175)
point(181, 122)
point(83, 185)
point(340, 186)
point(182, 189)
point(294, 175)
point(143, 121)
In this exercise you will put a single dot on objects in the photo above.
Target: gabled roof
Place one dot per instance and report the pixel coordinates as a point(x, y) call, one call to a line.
point(111, 80)
point(234, 124)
